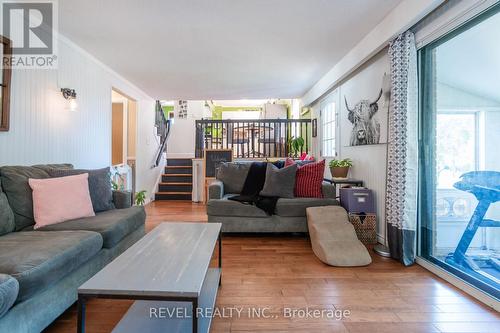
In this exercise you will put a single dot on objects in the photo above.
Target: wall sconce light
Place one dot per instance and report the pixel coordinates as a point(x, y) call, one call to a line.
point(70, 94)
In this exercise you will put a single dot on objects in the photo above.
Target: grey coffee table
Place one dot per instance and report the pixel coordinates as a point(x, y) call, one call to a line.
point(167, 270)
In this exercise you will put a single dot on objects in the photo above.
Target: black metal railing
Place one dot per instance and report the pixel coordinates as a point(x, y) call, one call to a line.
point(249, 138)
point(162, 125)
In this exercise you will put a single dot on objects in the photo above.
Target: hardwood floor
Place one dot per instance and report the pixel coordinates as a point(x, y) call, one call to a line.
point(277, 273)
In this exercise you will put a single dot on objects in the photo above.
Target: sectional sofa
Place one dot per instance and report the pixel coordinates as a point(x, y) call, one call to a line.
point(289, 216)
point(40, 270)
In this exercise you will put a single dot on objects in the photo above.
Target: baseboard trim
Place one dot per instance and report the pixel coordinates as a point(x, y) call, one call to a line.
point(459, 283)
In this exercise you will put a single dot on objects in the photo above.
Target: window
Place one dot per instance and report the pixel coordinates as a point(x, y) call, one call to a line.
point(5, 73)
point(459, 209)
point(328, 115)
point(456, 142)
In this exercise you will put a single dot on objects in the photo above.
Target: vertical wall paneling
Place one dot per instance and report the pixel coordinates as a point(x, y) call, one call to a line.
point(44, 130)
point(369, 161)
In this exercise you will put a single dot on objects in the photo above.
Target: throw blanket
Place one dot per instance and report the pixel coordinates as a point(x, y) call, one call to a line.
point(254, 183)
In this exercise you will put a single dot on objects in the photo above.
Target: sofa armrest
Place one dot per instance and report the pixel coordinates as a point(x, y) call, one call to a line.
point(216, 190)
point(328, 190)
point(9, 289)
point(122, 199)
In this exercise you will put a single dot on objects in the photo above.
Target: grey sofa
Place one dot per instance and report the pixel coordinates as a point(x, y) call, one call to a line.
point(290, 214)
point(40, 270)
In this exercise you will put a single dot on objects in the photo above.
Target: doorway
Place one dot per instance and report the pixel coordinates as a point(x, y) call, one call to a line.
point(460, 160)
point(123, 140)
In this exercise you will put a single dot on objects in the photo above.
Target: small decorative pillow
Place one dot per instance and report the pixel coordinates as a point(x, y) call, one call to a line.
point(6, 215)
point(61, 199)
point(309, 179)
point(306, 157)
point(279, 182)
point(233, 175)
point(99, 186)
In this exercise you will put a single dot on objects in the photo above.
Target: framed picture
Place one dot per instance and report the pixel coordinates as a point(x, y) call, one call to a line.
point(364, 110)
point(5, 74)
point(315, 127)
point(183, 109)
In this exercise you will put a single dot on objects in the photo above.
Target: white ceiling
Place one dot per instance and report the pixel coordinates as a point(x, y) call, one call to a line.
point(241, 102)
point(220, 49)
point(471, 60)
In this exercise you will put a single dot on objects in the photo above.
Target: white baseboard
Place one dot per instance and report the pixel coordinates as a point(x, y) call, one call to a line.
point(460, 284)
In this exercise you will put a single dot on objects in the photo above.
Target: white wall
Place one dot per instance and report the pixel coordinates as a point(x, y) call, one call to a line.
point(43, 130)
point(181, 142)
point(369, 162)
point(400, 19)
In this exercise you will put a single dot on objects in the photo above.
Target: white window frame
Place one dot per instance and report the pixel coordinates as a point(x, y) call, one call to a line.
point(332, 98)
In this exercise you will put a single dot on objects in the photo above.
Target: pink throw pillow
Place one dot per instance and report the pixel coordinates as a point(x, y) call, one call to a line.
point(308, 179)
point(60, 199)
point(306, 157)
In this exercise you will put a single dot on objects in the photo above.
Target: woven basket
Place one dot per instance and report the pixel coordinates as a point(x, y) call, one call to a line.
point(365, 226)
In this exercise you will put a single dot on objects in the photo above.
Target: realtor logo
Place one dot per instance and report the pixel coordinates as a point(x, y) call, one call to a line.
point(31, 27)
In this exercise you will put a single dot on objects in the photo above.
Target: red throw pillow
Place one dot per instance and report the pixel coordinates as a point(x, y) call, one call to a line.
point(308, 179)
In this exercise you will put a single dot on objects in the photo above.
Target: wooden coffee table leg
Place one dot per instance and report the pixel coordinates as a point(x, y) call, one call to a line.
point(220, 257)
point(81, 314)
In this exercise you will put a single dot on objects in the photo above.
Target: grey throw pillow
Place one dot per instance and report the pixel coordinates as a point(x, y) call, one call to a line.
point(100, 190)
point(16, 188)
point(6, 215)
point(233, 176)
point(279, 182)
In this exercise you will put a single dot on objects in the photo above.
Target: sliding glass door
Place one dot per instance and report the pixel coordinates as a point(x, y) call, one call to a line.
point(459, 208)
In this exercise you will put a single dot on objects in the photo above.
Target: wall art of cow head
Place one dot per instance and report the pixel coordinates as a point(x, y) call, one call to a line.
point(366, 129)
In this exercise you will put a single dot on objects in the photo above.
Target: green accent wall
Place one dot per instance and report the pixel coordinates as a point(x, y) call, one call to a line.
point(167, 109)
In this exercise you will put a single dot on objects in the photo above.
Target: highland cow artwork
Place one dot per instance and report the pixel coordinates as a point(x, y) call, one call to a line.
point(366, 128)
point(365, 103)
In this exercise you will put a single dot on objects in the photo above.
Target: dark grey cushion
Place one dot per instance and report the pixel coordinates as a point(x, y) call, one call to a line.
point(297, 206)
point(279, 182)
point(113, 225)
point(39, 259)
point(47, 167)
point(122, 199)
point(9, 289)
point(233, 175)
point(15, 185)
point(224, 207)
point(216, 190)
point(6, 215)
point(328, 190)
point(100, 190)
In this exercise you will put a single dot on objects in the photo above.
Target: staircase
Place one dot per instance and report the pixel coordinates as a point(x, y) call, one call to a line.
point(177, 181)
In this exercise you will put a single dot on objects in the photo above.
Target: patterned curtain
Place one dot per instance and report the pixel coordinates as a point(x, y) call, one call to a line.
point(402, 160)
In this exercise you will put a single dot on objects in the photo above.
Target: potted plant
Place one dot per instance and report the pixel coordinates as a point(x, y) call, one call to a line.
point(295, 146)
point(140, 198)
point(340, 168)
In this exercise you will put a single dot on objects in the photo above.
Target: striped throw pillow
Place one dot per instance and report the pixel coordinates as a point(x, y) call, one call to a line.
point(308, 179)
